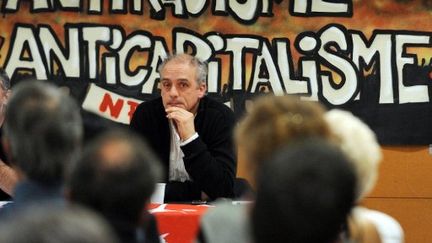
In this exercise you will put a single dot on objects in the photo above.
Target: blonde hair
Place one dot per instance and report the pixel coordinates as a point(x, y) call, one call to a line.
point(360, 145)
point(275, 121)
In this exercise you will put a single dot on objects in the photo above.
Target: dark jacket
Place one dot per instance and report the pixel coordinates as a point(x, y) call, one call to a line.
point(210, 159)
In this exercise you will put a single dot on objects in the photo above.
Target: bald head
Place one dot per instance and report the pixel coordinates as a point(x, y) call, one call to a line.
point(122, 163)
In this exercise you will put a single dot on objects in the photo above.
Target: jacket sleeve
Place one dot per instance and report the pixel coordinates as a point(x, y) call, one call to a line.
point(210, 159)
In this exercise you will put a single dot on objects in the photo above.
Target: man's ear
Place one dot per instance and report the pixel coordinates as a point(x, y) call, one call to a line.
point(202, 89)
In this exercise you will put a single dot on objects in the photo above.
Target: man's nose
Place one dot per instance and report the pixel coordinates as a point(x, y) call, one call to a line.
point(173, 91)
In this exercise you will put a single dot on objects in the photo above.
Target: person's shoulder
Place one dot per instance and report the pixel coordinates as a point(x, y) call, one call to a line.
point(226, 208)
point(217, 107)
point(151, 110)
point(386, 226)
point(374, 215)
point(226, 222)
point(151, 105)
point(155, 102)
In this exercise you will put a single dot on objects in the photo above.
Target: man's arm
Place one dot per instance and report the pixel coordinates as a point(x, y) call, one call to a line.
point(211, 163)
point(210, 158)
point(8, 178)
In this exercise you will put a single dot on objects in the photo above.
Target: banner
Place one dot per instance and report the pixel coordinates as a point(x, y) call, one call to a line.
point(371, 57)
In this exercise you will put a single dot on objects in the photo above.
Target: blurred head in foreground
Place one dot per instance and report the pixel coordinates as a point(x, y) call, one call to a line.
point(53, 223)
point(304, 194)
point(115, 175)
point(273, 122)
point(360, 145)
point(42, 132)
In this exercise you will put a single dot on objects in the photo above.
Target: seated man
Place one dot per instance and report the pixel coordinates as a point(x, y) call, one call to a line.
point(42, 134)
point(115, 176)
point(304, 194)
point(191, 133)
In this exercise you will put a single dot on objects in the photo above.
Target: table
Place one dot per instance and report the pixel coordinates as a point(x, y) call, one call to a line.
point(178, 223)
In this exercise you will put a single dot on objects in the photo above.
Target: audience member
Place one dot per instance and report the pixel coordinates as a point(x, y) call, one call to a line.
point(272, 122)
point(8, 177)
point(359, 143)
point(304, 194)
point(115, 176)
point(53, 223)
point(42, 134)
point(190, 132)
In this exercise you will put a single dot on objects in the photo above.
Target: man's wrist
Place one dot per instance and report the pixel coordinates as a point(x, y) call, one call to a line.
point(190, 139)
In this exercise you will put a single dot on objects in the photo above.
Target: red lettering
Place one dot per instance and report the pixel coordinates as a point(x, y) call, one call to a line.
point(132, 107)
point(108, 104)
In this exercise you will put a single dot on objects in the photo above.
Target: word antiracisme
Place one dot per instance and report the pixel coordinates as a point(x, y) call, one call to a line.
point(244, 11)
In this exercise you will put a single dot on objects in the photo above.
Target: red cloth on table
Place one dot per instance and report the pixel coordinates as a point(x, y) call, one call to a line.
point(178, 223)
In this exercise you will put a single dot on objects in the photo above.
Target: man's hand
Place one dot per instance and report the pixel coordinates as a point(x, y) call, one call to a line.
point(8, 178)
point(184, 121)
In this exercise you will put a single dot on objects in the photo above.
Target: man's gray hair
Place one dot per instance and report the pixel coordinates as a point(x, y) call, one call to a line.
point(200, 65)
point(4, 80)
point(53, 222)
point(44, 129)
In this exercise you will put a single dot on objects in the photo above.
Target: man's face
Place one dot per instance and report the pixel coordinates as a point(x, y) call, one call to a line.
point(179, 86)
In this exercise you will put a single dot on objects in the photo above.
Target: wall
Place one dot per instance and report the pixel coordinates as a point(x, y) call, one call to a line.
point(404, 190)
point(371, 57)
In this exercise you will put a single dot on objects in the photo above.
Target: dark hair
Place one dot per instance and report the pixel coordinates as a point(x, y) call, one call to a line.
point(55, 223)
point(44, 129)
point(304, 194)
point(115, 175)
